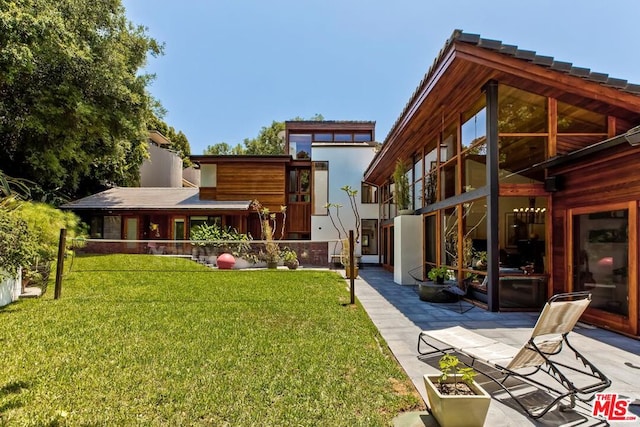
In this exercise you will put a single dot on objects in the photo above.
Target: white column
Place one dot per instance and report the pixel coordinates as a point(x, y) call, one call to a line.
point(407, 247)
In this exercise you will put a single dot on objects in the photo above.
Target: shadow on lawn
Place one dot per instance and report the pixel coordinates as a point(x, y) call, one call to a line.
point(7, 391)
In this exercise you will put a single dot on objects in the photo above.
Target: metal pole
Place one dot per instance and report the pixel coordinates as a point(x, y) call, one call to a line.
point(352, 267)
point(62, 244)
point(493, 220)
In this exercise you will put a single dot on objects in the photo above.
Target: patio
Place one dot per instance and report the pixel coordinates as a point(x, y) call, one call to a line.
point(400, 315)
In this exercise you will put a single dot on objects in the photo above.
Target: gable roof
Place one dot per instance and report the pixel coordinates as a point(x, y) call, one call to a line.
point(522, 54)
point(153, 198)
point(544, 61)
point(489, 53)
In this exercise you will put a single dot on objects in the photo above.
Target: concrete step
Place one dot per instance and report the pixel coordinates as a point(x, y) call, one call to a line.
point(31, 292)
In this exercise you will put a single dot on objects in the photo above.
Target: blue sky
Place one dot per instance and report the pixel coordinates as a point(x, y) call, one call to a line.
point(233, 66)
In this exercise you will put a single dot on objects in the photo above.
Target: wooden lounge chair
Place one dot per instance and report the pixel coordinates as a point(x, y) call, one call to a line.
point(537, 357)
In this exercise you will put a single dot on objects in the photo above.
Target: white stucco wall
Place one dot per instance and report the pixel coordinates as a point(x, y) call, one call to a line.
point(192, 175)
point(162, 169)
point(10, 288)
point(407, 247)
point(346, 167)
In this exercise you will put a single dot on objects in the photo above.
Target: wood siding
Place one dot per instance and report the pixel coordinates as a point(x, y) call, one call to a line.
point(299, 218)
point(605, 180)
point(249, 181)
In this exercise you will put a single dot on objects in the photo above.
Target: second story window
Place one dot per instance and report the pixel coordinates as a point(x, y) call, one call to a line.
point(208, 175)
point(299, 185)
point(300, 145)
point(368, 193)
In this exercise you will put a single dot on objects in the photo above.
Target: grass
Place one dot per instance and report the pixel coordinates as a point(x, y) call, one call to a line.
point(150, 343)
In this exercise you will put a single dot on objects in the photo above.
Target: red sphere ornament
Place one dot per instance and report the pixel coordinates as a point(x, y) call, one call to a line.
point(226, 262)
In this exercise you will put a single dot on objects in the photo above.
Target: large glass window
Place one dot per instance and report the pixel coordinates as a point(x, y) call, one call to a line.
point(430, 181)
point(449, 250)
point(522, 234)
point(572, 119)
point(601, 260)
point(96, 227)
point(369, 237)
point(368, 193)
point(474, 231)
point(112, 225)
point(578, 128)
point(387, 200)
point(474, 162)
point(179, 232)
point(418, 175)
point(521, 112)
point(449, 145)
point(299, 185)
point(430, 241)
point(516, 155)
point(362, 137)
point(323, 137)
point(195, 221)
point(343, 137)
point(358, 136)
point(448, 180)
point(208, 175)
point(474, 146)
point(474, 129)
point(320, 187)
point(300, 145)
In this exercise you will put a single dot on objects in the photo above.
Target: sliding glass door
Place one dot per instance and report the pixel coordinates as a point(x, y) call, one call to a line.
point(602, 258)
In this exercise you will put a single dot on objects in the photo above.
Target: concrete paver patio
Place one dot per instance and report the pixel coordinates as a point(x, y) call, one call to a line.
point(400, 315)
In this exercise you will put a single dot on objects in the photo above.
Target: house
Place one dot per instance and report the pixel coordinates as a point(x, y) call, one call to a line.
point(523, 179)
point(318, 161)
point(517, 186)
point(334, 154)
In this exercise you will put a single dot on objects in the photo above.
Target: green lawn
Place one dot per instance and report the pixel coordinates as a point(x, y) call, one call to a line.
point(158, 341)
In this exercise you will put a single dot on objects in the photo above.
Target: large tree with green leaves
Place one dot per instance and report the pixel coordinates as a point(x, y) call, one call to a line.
point(73, 103)
point(268, 141)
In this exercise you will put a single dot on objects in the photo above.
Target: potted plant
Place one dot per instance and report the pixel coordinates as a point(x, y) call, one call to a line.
point(290, 258)
point(438, 274)
point(401, 188)
point(455, 398)
point(272, 254)
point(480, 258)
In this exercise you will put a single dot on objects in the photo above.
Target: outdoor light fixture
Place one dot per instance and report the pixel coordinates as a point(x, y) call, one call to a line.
point(633, 136)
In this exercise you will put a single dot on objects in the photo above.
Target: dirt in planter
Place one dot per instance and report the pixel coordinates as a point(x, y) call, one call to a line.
point(460, 389)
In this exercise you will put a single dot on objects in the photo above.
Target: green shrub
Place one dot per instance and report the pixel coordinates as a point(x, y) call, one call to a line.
point(44, 223)
point(438, 272)
point(217, 240)
point(450, 365)
point(29, 238)
point(17, 247)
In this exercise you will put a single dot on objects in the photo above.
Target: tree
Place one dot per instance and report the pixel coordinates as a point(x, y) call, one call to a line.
point(73, 104)
point(224, 149)
point(268, 141)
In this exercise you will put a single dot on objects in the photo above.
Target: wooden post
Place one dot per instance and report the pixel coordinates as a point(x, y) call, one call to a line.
point(352, 267)
point(62, 244)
